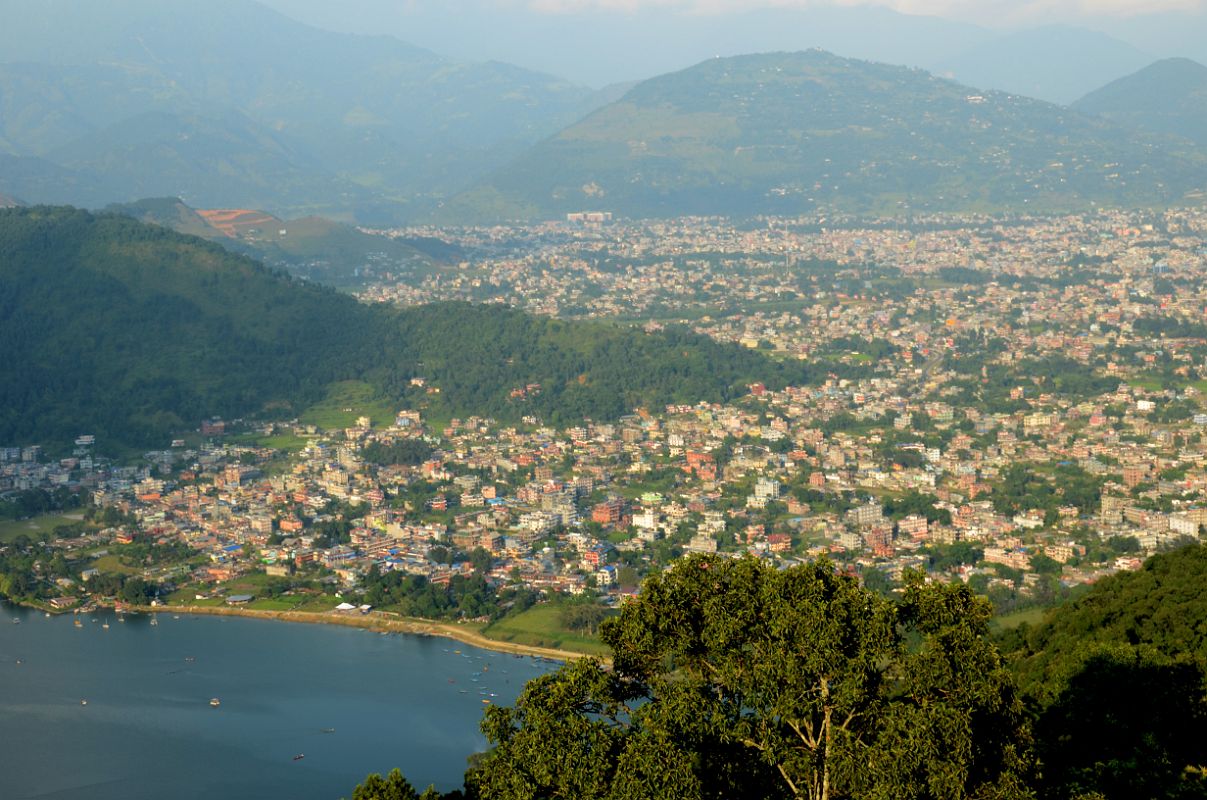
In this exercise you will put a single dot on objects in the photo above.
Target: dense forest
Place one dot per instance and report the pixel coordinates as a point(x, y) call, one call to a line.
point(131, 332)
point(731, 678)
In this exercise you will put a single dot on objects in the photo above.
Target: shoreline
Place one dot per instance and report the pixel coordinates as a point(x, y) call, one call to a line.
point(375, 621)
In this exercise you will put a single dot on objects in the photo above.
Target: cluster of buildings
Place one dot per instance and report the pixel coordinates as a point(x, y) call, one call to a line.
point(1018, 404)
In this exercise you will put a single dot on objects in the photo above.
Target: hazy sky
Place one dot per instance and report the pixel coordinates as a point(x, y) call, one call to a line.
point(986, 11)
point(993, 13)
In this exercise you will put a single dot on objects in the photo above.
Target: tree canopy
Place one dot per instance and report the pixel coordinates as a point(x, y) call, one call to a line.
point(731, 678)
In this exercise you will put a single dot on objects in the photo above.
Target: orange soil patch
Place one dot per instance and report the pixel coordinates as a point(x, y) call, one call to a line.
point(236, 222)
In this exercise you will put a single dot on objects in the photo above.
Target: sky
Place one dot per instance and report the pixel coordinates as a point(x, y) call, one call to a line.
point(990, 13)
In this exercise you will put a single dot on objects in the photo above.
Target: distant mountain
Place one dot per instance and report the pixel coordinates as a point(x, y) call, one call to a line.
point(792, 132)
point(1167, 97)
point(131, 332)
point(314, 248)
point(231, 104)
point(606, 43)
point(1056, 63)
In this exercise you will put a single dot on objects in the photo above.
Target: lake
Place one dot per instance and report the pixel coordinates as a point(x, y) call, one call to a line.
point(351, 701)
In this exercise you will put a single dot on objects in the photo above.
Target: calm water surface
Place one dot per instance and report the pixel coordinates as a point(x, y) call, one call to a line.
point(352, 701)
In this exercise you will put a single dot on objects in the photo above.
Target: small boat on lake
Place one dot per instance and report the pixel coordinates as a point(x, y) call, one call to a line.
point(154, 620)
point(215, 702)
point(105, 625)
point(299, 756)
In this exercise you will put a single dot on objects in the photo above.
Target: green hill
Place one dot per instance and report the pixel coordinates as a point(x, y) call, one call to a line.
point(1167, 97)
point(1162, 607)
point(131, 331)
point(790, 132)
point(314, 248)
point(168, 212)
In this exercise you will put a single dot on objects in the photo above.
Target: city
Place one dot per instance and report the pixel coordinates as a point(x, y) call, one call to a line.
point(1018, 406)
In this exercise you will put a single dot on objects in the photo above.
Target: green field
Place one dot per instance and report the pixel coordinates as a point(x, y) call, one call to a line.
point(11, 529)
point(113, 564)
point(1031, 616)
point(274, 604)
point(541, 626)
point(346, 401)
point(288, 442)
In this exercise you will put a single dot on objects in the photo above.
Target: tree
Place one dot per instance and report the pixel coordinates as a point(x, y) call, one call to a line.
point(391, 787)
point(731, 678)
point(1128, 723)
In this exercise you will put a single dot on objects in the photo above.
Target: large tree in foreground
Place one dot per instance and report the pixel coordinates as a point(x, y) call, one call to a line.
point(735, 679)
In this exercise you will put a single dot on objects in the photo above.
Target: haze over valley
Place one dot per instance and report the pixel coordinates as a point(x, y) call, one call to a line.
point(637, 399)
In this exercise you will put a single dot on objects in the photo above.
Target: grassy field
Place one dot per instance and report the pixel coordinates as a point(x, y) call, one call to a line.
point(345, 402)
point(1157, 383)
point(112, 563)
point(288, 442)
point(11, 529)
point(1031, 616)
point(540, 626)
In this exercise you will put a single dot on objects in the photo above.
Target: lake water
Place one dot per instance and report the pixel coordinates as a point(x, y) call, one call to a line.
point(352, 701)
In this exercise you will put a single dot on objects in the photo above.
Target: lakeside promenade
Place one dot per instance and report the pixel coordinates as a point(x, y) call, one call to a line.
point(375, 621)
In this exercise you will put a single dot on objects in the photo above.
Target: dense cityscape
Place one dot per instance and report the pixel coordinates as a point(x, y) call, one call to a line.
point(1015, 404)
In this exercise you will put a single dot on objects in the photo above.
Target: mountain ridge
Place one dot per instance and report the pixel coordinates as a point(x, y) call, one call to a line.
point(791, 133)
point(316, 122)
point(1166, 97)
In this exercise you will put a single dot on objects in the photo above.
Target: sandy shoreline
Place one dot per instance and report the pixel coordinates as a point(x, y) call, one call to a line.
point(375, 621)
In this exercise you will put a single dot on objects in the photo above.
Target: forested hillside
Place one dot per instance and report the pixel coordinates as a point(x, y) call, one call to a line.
point(130, 331)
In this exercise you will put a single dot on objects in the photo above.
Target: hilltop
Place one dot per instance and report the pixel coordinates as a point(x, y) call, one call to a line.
point(792, 132)
point(311, 247)
point(1166, 97)
point(131, 331)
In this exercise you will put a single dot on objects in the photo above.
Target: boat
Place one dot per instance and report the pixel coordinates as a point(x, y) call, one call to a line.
point(83, 702)
point(16, 621)
point(47, 615)
point(328, 730)
point(78, 624)
point(215, 702)
point(154, 620)
point(105, 625)
point(299, 756)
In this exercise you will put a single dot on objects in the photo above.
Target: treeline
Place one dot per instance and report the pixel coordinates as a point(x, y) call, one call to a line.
point(463, 597)
point(32, 502)
point(132, 332)
point(477, 355)
point(410, 452)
